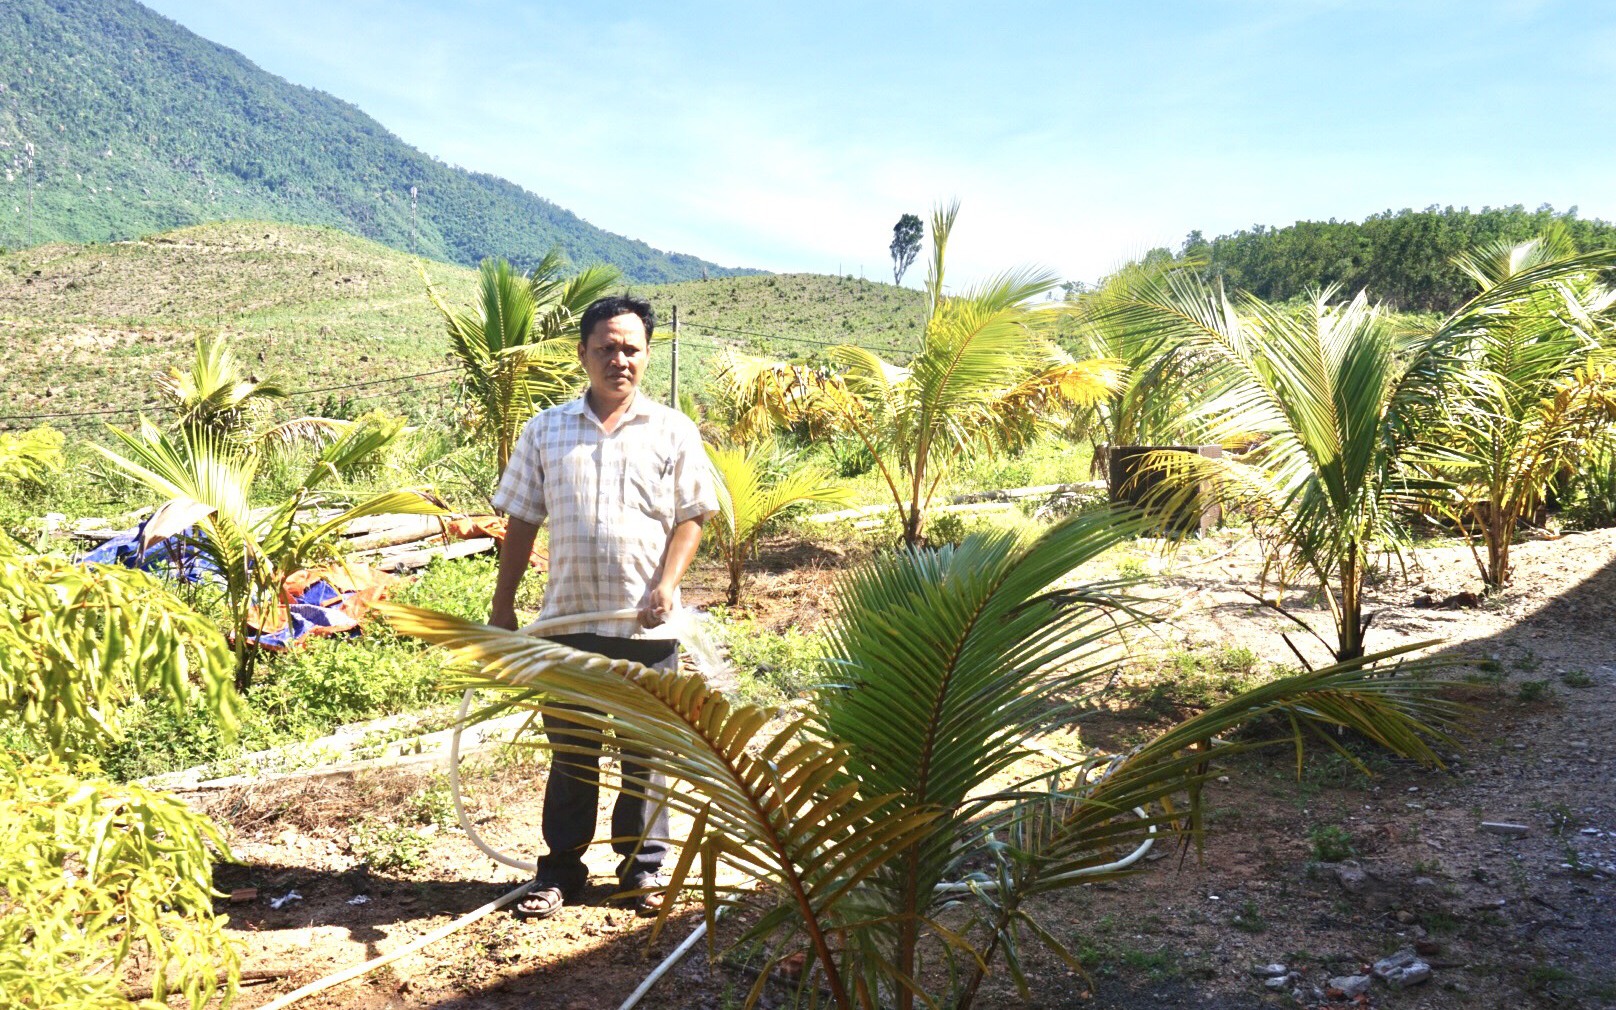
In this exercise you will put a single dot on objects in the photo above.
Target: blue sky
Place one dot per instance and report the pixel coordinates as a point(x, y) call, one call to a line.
point(1075, 135)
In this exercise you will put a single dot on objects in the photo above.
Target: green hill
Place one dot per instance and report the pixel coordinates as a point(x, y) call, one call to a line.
point(136, 125)
point(84, 327)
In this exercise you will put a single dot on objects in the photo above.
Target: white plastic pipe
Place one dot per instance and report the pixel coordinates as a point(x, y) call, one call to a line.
point(681, 624)
point(668, 962)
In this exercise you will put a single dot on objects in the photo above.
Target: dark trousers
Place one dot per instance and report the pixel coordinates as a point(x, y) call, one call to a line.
point(639, 824)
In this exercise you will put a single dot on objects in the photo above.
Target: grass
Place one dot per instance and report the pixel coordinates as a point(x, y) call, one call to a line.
point(770, 667)
point(1178, 681)
point(1248, 919)
point(1576, 678)
point(1331, 843)
point(386, 847)
point(1531, 691)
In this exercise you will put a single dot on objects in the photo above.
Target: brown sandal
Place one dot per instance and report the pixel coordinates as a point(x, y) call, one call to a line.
point(646, 896)
point(542, 902)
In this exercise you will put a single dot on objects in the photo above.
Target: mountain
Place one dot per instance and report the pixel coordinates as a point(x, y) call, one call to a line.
point(116, 122)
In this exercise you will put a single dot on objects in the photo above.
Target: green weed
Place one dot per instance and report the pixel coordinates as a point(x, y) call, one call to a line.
point(1331, 843)
point(387, 847)
point(770, 667)
point(1576, 678)
point(1532, 691)
point(1248, 919)
point(1238, 659)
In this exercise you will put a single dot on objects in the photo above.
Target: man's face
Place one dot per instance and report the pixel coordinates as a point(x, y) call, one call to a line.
point(615, 355)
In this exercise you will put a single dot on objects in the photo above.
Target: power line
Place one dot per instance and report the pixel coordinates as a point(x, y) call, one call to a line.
point(779, 336)
point(372, 382)
point(160, 408)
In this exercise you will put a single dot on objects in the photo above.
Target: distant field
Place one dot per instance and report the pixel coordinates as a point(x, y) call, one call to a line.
point(85, 327)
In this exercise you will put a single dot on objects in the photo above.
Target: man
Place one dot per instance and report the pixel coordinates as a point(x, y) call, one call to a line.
point(625, 485)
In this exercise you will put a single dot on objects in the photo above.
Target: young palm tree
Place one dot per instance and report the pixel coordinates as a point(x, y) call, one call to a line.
point(949, 663)
point(1338, 401)
point(982, 377)
point(215, 396)
point(514, 347)
point(207, 483)
point(754, 487)
point(1161, 380)
point(1535, 391)
point(1325, 390)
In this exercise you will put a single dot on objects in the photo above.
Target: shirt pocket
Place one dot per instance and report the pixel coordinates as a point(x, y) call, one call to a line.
point(649, 486)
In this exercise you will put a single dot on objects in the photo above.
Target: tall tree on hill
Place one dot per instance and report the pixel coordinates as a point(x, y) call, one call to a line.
point(982, 378)
point(906, 236)
point(513, 346)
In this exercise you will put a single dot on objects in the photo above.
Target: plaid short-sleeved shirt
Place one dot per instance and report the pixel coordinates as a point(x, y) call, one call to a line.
point(612, 500)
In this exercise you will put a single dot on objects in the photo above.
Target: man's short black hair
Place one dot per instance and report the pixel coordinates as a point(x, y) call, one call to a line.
point(612, 306)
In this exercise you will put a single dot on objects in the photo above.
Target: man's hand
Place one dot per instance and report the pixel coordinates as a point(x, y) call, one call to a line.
point(658, 604)
point(513, 563)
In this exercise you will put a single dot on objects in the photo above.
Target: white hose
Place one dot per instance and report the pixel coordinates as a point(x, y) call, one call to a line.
point(681, 624)
point(668, 962)
point(961, 886)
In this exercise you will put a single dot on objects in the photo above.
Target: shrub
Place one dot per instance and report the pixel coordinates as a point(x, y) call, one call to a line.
point(387, 847)
point(1332, 843)
point(95, 874)
point(1533, 691)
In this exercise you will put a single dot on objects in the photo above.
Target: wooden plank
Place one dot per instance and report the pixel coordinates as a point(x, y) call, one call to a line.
point(409, 560)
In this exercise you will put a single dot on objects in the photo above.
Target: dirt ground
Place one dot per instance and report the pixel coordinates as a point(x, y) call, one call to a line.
point(1322, 873)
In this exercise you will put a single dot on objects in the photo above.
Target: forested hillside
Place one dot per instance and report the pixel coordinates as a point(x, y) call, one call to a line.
point(1403, 258)
point(116, 122)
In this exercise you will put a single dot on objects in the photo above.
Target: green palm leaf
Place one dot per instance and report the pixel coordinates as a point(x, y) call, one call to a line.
point(779, 809)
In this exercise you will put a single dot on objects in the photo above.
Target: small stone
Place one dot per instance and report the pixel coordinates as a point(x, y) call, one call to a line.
point(1350, 985)
point(1504, 828)
point(1352, 878)
point(1427, 948)
point(1276, 984)
point(1402, 969)
point(1275, 970)
point(1406, 917)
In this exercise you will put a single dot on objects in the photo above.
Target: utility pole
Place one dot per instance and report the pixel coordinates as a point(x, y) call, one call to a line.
point(673, 384)
point(33, 181)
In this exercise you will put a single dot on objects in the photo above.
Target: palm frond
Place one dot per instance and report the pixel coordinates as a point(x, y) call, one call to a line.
point(779, 808)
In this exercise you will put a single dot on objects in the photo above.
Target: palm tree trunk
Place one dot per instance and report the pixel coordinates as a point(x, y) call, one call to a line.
point(737, 562)
point(908, 931)
point(1350, 628)
point(1497, 556)
point(912, 518)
